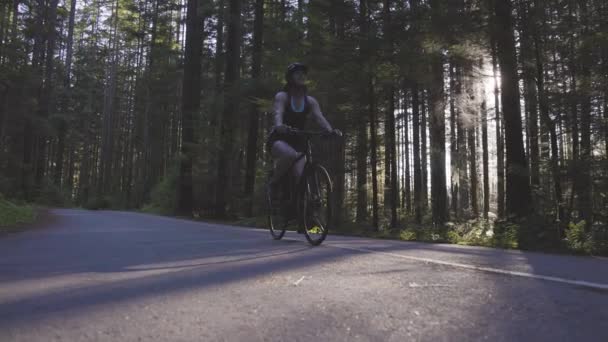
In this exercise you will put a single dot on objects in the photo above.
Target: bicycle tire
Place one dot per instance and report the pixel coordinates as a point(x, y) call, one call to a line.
point(316, 195)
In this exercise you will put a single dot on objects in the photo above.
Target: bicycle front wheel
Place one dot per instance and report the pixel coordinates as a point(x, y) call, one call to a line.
point(316, 204)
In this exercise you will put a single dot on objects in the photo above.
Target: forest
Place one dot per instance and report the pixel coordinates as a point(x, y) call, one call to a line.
point(476, 120)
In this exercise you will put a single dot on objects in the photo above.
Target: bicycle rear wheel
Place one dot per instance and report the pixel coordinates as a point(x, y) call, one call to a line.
point(277, 223)
point(316, 204)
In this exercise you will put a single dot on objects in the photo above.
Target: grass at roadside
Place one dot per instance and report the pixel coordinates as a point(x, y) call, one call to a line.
point(476, 232)
point(473, 233)
point(13, 215)
point(479, 232)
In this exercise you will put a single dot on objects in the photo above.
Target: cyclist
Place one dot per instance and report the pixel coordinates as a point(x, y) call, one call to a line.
point(292, 108)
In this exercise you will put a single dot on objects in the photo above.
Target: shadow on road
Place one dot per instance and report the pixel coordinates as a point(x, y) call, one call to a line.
point(175, 255)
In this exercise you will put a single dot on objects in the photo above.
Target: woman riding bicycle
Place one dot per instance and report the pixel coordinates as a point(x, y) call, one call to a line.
point(292, 107)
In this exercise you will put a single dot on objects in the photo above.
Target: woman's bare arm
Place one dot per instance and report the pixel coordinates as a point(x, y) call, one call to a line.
point(318, 115)
point(279, 107)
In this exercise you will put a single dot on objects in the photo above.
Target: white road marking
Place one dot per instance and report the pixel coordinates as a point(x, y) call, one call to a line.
point(583, 283)
point(588, 284)
point(299, 281)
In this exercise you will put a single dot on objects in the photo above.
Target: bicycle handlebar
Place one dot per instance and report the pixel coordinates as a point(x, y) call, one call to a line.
point(311, 133)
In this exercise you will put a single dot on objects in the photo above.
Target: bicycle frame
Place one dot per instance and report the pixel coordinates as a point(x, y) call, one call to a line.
point(304, 193)
point(294, 187)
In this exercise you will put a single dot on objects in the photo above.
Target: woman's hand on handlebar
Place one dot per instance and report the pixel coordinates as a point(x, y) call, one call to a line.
point(283, 129)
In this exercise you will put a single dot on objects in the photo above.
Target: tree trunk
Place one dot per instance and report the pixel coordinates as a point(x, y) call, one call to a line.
point(62, 125)
point(47, 97)
point(604, 56)
point(391, 154)
point(484, 143)
point(470, 132)
point(29, 134)
point(546, 120)
point(374, 153)
point(190, 105)
point(252, 140)
point(387, 164)
point(550, 126)
point(84, 178)
point(461, 142)
point(301, 12)
point(406, 147)
point(70, 42)
point(11, 42)
point(4, 18)
point(518, 188)
point(585, 204)
point(417, 168)
point(69, 182)
point(107, 140)
point(394, 190)
point(219, 48)
point(606, 110)
point(339, 148)
point(399, 142)
point(473, 170)
point(423, 150)
point(500, 157)
point(455, 181)
point(574, 109)
point(14, 21)
point(233, 64)
point(437, 128)
point(604, 52)
point(362, 212)
point(61, 132)
point(606, 120)
point(3, 107)
point(530, 93)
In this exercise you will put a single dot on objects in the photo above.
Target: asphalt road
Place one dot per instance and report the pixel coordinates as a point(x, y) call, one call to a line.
point(114, 276)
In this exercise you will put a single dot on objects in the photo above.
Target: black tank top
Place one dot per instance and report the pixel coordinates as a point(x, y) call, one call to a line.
point(293, 119)
point(296, 119)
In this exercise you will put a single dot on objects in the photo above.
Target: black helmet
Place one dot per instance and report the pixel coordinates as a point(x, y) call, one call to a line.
point(293, 67)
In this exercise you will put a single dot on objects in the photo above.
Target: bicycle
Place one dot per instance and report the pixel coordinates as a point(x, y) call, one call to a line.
point(311, 198)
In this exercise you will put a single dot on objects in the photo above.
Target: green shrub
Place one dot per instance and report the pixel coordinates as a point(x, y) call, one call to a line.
point(97, 203)
point(407, 235)
point(255, 221)
point(163, 198)
point(53, 196)
point(576, 238)
point(12, 214)
point(598, 240)
point(117, 201)
point(594, 241)
point(453, 237)
point(506, 235)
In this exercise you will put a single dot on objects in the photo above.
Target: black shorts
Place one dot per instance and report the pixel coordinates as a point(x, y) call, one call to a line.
point(298, 143)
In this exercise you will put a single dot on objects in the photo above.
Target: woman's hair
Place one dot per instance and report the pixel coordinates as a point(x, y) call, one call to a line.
point(290, 86)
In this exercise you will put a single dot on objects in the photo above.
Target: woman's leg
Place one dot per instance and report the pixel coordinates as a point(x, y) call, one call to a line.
point(298, 167)
point(284, 156)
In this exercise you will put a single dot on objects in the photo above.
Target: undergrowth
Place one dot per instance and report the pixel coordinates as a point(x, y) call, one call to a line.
point(12, 214)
